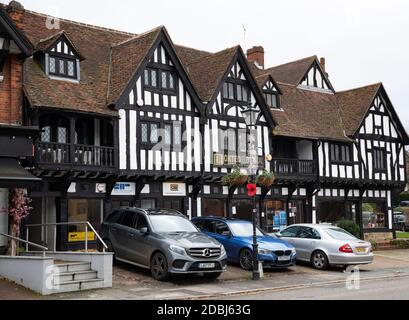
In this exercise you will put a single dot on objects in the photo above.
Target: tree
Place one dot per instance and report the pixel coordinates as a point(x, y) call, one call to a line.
point(19, 209)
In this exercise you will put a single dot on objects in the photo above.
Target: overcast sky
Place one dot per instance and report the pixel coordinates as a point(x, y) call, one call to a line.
point(364, 41)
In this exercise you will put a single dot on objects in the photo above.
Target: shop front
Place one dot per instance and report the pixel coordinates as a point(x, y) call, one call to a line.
point(371, 209)
point(277, 209)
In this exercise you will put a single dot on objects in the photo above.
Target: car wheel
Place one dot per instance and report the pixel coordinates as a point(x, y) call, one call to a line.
point(319, 260)
point(246, 259)
point(212, 275)
point(159, 267)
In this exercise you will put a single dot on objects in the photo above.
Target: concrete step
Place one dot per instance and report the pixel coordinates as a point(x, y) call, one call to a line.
point(73, 267)
point(75, 276)
point(80, 285)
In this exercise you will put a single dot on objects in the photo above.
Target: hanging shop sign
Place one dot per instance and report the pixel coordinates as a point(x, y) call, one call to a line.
point(174, 189)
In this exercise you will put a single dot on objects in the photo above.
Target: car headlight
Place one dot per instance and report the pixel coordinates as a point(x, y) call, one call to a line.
point(223, 251)
point(293, 251)
point(264, 251)
point(178, 250)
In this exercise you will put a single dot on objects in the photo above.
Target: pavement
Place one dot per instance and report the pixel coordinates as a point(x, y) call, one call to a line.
point(133, 283)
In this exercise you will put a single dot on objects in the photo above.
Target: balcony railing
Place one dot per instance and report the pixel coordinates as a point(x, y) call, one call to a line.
point(68, 154)
point(293, 167)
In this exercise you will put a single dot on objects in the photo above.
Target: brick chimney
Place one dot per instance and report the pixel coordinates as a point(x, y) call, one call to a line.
point(322, 62)
point(256, 55)
point(16, 11)
point(11, 85)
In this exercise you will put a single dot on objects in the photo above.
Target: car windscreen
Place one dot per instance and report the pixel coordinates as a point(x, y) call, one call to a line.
point(340, 234)
point(243, 229)
point(171, 224)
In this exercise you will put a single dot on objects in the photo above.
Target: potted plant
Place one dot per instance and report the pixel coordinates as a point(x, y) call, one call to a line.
point(266, 179)
point(235, 178)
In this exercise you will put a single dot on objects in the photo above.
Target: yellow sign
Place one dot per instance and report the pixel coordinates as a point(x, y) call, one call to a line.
point(80, 236)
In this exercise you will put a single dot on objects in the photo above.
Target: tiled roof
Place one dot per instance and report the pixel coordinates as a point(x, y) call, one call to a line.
point(112, 57)
point(125, 60)
point(207, 71)
point(45, 44)
point(292, 72)
point(354, 104)
point(308, 114)
point(90, 95)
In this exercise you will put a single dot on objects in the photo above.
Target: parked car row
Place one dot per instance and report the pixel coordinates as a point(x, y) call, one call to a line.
point(167, 242)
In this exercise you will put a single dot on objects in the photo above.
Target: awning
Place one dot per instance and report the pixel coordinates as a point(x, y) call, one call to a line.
point(13, 175)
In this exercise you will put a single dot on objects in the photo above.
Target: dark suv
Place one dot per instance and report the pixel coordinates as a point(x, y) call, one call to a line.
point(164, 241)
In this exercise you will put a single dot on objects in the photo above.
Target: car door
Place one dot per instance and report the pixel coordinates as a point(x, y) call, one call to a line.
point(139, 243)
point(223, 234)
point(307, 240)
point(123, 230)
point(290, 235)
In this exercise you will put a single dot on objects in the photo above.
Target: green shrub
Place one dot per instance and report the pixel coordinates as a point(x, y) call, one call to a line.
point(404, 196)
point(351, 227)
point(401, 244)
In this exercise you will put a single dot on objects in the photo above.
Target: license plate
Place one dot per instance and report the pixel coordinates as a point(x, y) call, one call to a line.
point(284, 258)
point(207, 265)
point(361, 250)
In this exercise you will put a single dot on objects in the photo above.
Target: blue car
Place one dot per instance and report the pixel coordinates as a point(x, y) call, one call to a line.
point(237, 238)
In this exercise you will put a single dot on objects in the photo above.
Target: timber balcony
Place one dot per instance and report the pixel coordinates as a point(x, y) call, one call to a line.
point(78, 156)
point(295, 169)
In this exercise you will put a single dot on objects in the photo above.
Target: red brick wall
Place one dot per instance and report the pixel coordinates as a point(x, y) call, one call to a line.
point(11, 91)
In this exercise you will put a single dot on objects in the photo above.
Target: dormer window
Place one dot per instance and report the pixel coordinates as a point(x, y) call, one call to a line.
point(272, 100)
point(272, 94)
point(62, 67)
point(160, 79)
point(62, 59)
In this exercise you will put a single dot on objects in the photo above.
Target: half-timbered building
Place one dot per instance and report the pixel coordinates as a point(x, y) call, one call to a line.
point(355, 141)
point(135, 120)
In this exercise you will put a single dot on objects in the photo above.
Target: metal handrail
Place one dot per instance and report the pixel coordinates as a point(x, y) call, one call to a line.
point(44, 249)
point(55, 225)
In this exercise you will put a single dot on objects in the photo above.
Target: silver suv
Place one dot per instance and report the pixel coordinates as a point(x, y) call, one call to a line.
point(164, 241)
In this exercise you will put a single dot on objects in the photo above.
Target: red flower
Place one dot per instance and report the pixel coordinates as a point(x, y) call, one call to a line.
point(251, 190)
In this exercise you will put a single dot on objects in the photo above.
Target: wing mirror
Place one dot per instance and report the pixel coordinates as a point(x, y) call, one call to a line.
point(278, 235)
point(144, 230)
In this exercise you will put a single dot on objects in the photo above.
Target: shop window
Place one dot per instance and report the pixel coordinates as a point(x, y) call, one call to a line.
point(82, 210)
point(148, 204)
point(242, 209)
point(374, 215)
point(214, 207)
point(334, 211)
point(276, 216)
point(116, 204)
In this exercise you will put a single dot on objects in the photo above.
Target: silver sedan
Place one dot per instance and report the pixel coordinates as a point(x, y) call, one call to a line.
point(324, 245)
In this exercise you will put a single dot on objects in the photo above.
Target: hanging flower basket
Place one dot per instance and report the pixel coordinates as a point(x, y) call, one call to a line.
point(234, 179)
point(266, 180)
